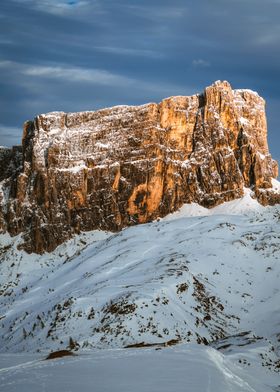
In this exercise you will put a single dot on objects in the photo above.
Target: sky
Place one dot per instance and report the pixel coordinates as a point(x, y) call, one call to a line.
point(75, 55)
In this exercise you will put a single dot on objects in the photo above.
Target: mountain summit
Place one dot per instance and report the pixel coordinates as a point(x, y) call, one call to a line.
point(115, 167)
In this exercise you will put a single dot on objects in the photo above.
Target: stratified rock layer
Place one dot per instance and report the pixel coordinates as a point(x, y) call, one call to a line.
point(131, 164)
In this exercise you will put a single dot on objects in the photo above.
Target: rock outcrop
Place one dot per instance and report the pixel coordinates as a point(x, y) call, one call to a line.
point(115, 167)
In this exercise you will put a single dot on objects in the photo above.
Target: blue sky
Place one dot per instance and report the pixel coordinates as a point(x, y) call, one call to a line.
point(76, 55)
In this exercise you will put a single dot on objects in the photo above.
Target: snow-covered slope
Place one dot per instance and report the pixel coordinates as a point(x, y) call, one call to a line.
point(191, 278)
point(181, 368)
point(241, 206)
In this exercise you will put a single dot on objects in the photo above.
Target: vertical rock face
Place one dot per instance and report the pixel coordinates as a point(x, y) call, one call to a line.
point(126, 165)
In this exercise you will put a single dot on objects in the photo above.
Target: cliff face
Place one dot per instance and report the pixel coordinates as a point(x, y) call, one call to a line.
point(125, 165)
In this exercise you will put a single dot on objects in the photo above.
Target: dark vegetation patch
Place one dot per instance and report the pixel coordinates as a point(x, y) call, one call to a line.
point(121, 308)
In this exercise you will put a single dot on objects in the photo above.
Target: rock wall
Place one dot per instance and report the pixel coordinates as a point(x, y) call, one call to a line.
point(131, 164)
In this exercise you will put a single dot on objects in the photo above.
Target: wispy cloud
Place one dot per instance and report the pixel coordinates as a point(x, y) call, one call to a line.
point(7, 64)
point(200, 63)
point(152, 12)
point(76, 74)
point(81, 76)
point(96, 77)
point(66, 73)
point(129, 51)
point(5, 41)
point(270, 37)
point(59, 7)
point(9, 135)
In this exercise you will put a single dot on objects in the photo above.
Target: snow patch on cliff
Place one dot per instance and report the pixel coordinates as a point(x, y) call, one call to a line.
point(244, 205)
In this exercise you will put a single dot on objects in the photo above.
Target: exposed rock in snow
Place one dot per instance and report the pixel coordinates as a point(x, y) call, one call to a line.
point(125, 165)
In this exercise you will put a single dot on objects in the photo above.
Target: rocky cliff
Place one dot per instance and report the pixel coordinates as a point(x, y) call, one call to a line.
point(115, 167)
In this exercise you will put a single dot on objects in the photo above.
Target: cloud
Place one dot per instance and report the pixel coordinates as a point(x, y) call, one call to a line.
point(162, 12)
point(200, 63)
point(58, 7)
point(5, 41)
point(64, 72)
point(76, 74)
point(129, 51)
point(270, 37)
point(9, 135)
point(6, 64)
point(79, 75)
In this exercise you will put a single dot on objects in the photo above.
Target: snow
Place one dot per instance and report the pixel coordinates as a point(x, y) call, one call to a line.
point(243, 121)
point(116, 108)
point(74, 169)
point(275, 185)
point(5, 240)
point(102, 145)
point(262, 156)
point(235, 207)
point(182, 368)
point(247, 91)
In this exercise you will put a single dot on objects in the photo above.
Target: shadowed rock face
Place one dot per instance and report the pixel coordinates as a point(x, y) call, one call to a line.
point(131, 164)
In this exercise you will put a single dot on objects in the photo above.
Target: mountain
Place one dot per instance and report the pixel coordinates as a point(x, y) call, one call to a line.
point(125, 165)
point(186, 300)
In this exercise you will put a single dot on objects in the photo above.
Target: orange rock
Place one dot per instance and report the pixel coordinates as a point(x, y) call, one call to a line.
point(131, 164)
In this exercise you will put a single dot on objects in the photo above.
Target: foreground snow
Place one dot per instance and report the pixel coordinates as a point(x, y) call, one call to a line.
point(188, 278)
point(182, 368)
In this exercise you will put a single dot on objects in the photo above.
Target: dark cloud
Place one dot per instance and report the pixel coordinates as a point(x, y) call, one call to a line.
point(74, 55)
